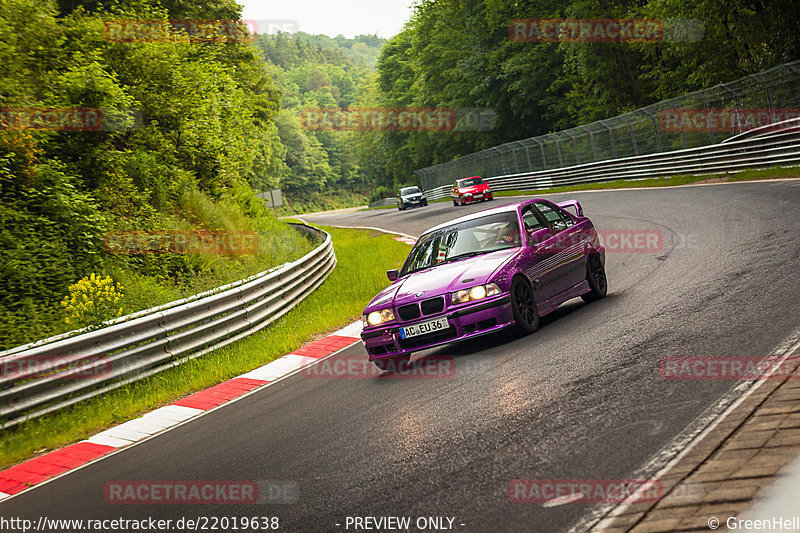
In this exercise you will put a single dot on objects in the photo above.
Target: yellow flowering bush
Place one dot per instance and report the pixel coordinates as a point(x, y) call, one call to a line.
point(92, 300)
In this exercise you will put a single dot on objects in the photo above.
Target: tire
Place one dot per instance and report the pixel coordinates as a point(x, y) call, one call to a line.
point(455, 203)
point(523, 305)
point(596, 276)
point(393, 364)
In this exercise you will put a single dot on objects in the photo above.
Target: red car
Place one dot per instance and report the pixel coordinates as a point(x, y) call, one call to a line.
point(468, 190)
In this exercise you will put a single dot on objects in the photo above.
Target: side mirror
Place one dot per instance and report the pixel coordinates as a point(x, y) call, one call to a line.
point(539, 236)
point(572, 204)
point(392, 274)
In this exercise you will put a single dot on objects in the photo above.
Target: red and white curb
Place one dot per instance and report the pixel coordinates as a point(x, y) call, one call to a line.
point(44, 468)
point(407, 240)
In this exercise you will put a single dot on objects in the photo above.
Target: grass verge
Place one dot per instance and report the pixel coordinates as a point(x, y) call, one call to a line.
point(363, 258)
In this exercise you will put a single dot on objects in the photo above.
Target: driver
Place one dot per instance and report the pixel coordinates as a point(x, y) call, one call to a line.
point(507, 235)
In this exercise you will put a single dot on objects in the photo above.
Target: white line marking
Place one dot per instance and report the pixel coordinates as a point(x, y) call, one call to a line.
point(141, 425)
point(406, 235)
point(173, 413)
point(563, 500)
point(152, 425)
point(353, 330)
point(275, 369)
point(108, 440)
point(689, 437)
point(3, 495)
point(126, 433)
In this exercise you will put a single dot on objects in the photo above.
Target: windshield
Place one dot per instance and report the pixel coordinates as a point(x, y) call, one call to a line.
point(467, 239)
point(470, 182)
point(409, 190)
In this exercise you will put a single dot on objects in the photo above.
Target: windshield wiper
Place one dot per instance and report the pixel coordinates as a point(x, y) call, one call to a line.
point(467, 254)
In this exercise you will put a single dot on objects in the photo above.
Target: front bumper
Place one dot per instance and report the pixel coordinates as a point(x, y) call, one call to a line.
point(476, 198)
point(415, 203)
point(468, 320)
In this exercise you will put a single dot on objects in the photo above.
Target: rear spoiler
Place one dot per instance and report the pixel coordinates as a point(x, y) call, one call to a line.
point(573, 204)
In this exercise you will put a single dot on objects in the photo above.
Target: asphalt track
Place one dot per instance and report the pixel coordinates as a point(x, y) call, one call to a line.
point(582, 398)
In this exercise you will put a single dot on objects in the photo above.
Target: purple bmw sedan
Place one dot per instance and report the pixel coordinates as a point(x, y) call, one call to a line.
point(503, 267)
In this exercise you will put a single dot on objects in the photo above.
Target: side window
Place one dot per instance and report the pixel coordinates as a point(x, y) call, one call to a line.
point(530, 220)
point(557, 219)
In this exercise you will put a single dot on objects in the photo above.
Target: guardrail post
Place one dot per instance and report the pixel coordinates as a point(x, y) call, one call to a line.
point(574, 146)
point(541, 148)
point(655, 128)
point(708, 121)
point(738, 105)
point(516, 162)
point(591, 140)
point(611, 138)
point(558, 150)
point(633, 133)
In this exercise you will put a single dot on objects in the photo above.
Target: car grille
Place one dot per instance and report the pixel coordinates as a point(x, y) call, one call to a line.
point(432, 306)
point(408, 312)
point(441, 335)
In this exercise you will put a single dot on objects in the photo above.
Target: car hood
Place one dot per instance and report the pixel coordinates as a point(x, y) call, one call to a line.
point(442, 279)
point(474, 188)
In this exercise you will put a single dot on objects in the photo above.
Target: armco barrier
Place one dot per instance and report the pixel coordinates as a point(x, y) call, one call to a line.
point(775, 146)
point(384, 202)
point(47, 375)
point(702, 118)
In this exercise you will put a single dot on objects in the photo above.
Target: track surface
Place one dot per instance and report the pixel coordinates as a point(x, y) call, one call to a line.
point(580, 399)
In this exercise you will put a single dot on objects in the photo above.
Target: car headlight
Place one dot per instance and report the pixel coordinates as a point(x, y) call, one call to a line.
point(379, 317)
point(467, 194)
point(475, 293)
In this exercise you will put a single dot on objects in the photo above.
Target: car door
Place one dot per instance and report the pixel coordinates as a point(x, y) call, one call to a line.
point(567, 266)
point(541, 248)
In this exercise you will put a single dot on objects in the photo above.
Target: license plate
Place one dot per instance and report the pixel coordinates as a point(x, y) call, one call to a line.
point(424, 328)
point(478, 196)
